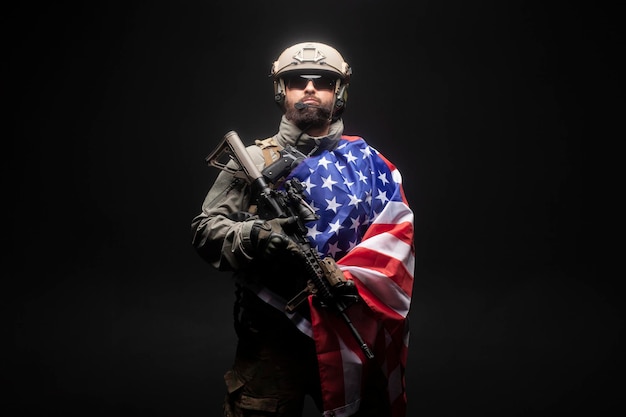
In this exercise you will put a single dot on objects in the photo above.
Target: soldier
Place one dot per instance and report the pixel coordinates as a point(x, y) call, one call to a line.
point(363, 226)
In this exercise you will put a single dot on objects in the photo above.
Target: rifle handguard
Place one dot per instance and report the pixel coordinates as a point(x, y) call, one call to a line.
point(339, 285)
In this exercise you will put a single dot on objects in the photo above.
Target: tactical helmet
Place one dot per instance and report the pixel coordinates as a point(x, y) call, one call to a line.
point(312, 58)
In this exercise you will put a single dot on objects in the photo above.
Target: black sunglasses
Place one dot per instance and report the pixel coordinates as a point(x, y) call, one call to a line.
point(320, 82)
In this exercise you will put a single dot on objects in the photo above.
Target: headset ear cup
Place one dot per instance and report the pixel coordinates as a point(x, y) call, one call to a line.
point(342, 97)
point(279, 93)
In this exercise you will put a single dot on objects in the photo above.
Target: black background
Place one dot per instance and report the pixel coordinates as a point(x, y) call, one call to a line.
point(495, 113)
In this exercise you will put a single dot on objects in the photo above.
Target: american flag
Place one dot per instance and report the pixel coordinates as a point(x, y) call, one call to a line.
point(366, 225)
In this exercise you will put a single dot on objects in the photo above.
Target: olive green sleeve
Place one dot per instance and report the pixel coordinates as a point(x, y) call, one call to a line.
point(221, 230)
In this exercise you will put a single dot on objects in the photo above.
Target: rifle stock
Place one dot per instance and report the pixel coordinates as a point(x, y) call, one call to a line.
point(241, 165)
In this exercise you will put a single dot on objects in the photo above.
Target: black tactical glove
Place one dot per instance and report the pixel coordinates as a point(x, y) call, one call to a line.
point(268, 237)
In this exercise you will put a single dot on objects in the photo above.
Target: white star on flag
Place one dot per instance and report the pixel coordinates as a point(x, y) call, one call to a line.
point(328, 183)
point(323, 161)
point(382, 196)
point(333, 205)
point(312, 232)
point(334, 227)
point(354, 200)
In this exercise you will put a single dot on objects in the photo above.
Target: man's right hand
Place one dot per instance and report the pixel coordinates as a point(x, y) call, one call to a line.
point(269, 239)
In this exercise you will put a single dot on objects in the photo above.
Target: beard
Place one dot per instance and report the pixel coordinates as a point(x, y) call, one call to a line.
point(309, 117)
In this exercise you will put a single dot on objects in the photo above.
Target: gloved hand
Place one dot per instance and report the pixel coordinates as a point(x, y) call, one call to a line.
point(269, 239)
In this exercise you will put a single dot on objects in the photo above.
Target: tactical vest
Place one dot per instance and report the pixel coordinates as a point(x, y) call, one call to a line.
point(271, 152)
point(271, 149)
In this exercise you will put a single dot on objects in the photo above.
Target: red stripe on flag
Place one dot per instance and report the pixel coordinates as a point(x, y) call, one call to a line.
point(392, 268)
point(402, 231)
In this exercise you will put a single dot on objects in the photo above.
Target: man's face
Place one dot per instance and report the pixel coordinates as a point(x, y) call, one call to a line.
point(317, 92)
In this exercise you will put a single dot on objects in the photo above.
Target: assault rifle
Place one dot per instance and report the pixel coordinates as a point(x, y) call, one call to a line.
point(326, 281)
